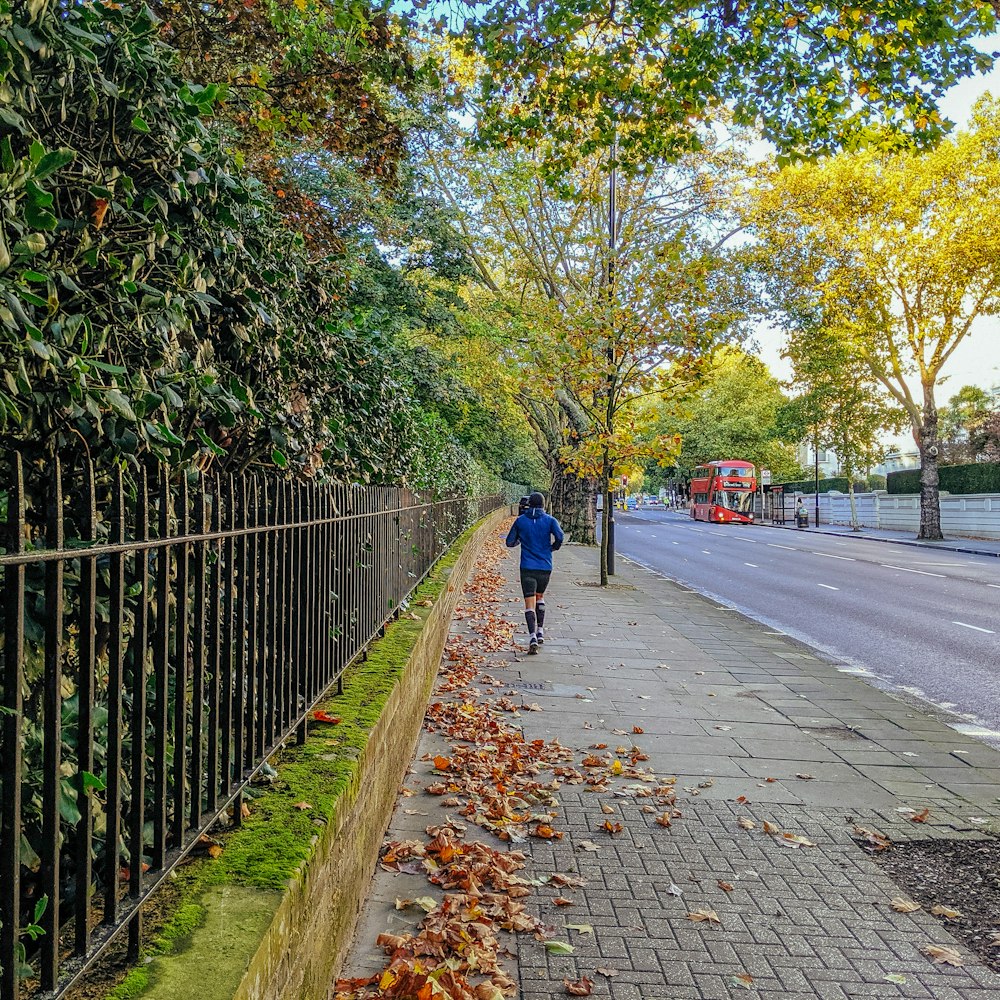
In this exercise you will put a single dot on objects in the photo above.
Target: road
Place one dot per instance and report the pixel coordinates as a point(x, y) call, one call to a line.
point(922, 622)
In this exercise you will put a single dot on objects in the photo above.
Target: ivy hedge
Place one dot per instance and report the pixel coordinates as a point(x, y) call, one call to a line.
point(978, 477)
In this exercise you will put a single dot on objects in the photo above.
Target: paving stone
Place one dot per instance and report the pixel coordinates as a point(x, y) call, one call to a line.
point(806, 923)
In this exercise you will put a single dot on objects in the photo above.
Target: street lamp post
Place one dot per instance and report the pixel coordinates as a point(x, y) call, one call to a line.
point(816, 458)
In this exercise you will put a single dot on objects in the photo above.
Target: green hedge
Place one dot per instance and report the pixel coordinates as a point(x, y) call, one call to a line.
point(979, 477)
point(839, 483)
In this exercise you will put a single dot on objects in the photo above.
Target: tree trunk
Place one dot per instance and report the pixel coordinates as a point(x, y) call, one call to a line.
point(927, 442)
point(854, 507)
point(571, 503)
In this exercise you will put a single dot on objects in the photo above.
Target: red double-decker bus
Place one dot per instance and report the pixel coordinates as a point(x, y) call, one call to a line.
point(723, 492)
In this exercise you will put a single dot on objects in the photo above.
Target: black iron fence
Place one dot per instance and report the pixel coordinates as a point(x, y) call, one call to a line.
point(159, 643)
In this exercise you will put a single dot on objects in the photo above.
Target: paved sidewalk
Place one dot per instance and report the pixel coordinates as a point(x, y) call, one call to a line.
point(756, 729)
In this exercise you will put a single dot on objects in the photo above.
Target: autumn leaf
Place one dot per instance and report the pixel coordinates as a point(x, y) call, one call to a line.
point(704, 916)
point(942, 955)
point(610, 827)
point(725, 886)
point(743, 979)
point(610, 973)
point(920, 817)
point(321, 716)
point(581, 928)
point(794, 840)
point(804, 777)
point(562, 901)
point(901, 905)
point(742, 800)
point(215, 851)
point(771, 828)
point(579, 988)
point(303, 806)
point(872, 838)
point(605, 808)
point(663, 819)
point(559, 948)
point(638, 730)
point(442, 763)
point(616, 767)
point(746, 824)
point(946, 911)
point(587, 845)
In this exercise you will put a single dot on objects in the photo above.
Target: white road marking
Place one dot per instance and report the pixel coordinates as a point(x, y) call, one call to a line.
point(791, 548)
point(829, 555)
point(995, 586)
point(675, 543)
point(988, 631)
point(754, 565)
point(922, 572)
point(700, 531)
point(827, 586)
point(707, 553)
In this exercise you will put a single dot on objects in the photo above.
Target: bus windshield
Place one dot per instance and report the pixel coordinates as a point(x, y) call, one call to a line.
point(736, 473)
point(736, 500)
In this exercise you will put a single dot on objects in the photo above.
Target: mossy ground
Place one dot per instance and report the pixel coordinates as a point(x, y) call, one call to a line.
point(267, 850)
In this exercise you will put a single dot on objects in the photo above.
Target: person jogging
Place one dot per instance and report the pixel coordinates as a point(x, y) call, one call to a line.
point(539, 535)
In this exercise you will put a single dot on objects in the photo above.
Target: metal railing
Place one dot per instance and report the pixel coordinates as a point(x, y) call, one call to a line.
point(159, 643)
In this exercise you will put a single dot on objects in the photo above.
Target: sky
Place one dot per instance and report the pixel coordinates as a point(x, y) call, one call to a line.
point(976, 360)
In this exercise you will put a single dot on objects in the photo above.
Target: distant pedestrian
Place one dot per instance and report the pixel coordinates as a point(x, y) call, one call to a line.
point(539, 535)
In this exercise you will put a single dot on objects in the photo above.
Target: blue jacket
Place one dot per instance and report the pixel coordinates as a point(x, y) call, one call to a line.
point(539, 535)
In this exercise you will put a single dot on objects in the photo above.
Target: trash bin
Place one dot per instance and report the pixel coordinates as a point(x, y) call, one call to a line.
point(801, 520)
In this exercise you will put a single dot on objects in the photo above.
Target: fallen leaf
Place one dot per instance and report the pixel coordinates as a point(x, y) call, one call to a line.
point(559, 948)
point(724, 729)
point(638, 730)
point(215, 851)
point(942, 955)
point(581, 928)
point(746, 824)
point(663, 819)
point(920, 817)
point(442, 763)
point(617, 767)
point(894, 977)
point(610, 973)
point(794, 840)
point(804, 777)
point(321, 716)
point(901, 905)
point(610, 827)
point(771, 828)
point(725, 886)
point(618, 732)
point(303, 805)
point(587, 845)
point(873, 839)
point(946, 911)
point(707, 916)
point(579, 987)
point(605, 808)
point(244, 810)
point(743, 979)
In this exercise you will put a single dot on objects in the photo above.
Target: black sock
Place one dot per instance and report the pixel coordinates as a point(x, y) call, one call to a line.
point(540, 612)
point(529, 617)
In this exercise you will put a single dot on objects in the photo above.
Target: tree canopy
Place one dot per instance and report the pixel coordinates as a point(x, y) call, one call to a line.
point(899, 253)
point(648, 74)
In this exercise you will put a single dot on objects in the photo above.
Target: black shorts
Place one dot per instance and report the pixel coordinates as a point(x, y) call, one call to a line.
point(534, 581)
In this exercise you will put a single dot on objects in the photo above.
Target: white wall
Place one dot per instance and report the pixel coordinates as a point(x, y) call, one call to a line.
point(975, 515)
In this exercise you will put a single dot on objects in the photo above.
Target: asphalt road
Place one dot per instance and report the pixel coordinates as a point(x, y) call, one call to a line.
point(919, 621)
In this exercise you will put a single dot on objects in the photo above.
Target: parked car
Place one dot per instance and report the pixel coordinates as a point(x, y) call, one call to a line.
point(522, 505)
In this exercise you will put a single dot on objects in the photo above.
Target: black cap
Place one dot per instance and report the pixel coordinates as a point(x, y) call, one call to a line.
point(536, 500)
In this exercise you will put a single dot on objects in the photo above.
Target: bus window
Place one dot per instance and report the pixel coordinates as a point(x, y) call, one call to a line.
point(736, 473)
point(740, 501)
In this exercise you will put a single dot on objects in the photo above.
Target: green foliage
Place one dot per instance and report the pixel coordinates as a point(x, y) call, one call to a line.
point(839, 483)
point(574, 77)
point(979, 477)
point(734, 415)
